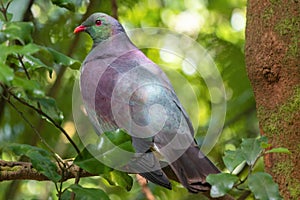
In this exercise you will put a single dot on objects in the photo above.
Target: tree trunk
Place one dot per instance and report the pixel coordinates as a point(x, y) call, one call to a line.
point(273, 65)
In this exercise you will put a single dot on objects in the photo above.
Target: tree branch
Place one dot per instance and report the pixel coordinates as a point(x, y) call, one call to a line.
point(114, 8)
point(10, 170)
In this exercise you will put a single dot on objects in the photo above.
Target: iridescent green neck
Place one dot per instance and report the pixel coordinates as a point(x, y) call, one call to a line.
point(99, 36)
point(105, 33)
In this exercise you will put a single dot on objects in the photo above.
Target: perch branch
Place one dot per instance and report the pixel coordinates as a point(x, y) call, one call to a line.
point(10, 170)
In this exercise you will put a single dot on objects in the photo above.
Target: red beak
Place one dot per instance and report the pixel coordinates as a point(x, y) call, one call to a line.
point(79, 29)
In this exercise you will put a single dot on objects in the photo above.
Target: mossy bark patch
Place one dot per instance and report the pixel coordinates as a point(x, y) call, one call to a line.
point(273, 66)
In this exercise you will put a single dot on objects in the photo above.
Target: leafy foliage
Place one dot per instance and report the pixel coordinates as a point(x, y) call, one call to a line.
point(40, 159)
point(88, 162)
point(251, 149)
point(260, 183)
point(84, 193)
point(118, 178)
point(20, 31)
point(68, 4)
point(263, 186)
point(220, 188)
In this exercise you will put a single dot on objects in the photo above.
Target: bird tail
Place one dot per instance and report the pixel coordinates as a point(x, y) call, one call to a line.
point(192, 168)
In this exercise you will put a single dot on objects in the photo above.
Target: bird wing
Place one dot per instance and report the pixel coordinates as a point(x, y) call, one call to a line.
point(133, 93)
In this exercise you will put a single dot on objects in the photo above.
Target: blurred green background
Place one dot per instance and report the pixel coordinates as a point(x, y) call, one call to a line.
point(217, 25)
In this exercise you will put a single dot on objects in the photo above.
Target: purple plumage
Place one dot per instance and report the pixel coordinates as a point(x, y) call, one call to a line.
point(122, 88)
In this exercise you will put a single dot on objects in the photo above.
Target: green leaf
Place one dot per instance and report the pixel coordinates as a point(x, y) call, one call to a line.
point(88, 193)
point(40, 158)
point(263, 186)
point(68, 4)
point(17, 49)
point(121, 139)
point(28, 88)
point(63, 60)
point(278, 150)
point(32, 63)
point(6, 73)
point(232, 159)
point(66, 195)
point(41, 162)
point(89, 163)
point(31, 87)
point(114, 149)
point(251, 149)
point(28, 49)
point(48, 106)
point(221, 183)
point(119, 178)
point(20, 31)
point(265, 145)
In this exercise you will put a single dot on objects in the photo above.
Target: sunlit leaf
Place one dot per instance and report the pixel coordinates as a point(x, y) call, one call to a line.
point(109, 147)
point(119, 178)
point(251, 149)
point(28, 49)
point(221, 183)
point(48, 106)
point(263, 186)
point(40, 159)
point(31, 87)
point(32, 62)
point(89, 163)
point(41, 162)
point(17, 49)
point(88, 193)
point(121, 139)
point(232, 159)
point(6, 73)
point(68, 4)
point(265, 145)
point(20, 31)
point(115, 148)
point(63, 60)
point(278, 150)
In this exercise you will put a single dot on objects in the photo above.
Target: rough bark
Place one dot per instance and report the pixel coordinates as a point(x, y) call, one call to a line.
point(10, 170)
point(24, 171)
point(273, 65)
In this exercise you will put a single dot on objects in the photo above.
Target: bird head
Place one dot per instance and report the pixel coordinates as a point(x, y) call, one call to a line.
point(100, 27)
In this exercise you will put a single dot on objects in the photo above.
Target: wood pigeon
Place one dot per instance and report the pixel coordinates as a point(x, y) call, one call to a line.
point(123, 89)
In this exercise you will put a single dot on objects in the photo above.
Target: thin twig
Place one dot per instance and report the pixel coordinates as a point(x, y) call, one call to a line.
point(23, 66)
point(29, 123)
point(244, 195)
point(47, 117)
point(145, 189)
point(56, 156)
point(77, 179)
point(4, 9)
point(39, 111)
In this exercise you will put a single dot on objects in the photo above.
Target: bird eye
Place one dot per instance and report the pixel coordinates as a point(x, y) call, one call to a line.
point(98, 22)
